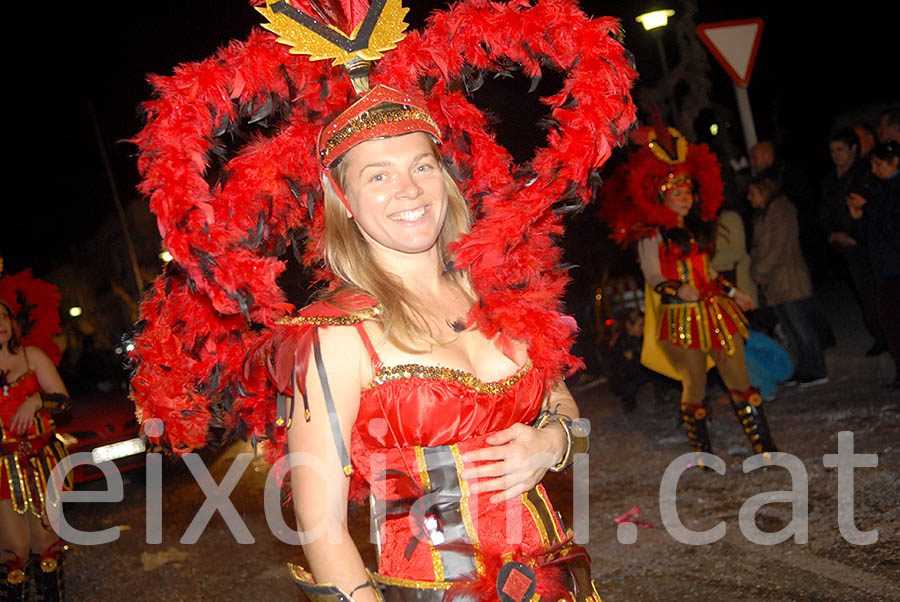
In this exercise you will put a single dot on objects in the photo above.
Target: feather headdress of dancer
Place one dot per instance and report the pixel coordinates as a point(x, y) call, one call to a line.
point(34, 307)
point(631, 200)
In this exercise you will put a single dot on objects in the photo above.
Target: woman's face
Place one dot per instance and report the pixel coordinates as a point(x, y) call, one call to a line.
point(6, 327)
point(756, 197)
point(395, 188)
point(885, 169)
point(679, 200)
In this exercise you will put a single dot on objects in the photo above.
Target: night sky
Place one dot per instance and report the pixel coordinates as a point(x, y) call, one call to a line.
point(97, 54)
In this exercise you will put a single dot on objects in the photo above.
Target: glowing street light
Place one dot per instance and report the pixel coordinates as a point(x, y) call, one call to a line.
point(654, 19)
point(75, 311)
point(165, 256)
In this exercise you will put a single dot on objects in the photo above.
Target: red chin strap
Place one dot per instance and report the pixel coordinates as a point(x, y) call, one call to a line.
point(337, 189)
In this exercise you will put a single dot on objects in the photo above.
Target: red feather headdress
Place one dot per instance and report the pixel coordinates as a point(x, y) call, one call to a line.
point(229, 163)
point(34, 305)
point(630, 201)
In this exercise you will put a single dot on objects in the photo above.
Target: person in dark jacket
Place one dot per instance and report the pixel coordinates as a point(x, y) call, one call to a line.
point(850, 175)
point(877, 215)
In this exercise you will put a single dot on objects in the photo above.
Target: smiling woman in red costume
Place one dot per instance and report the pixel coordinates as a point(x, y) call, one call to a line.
point(429, 371)
point(664, 199)
point(28, 447)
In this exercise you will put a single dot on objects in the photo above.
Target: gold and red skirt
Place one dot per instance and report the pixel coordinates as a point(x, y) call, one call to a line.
point(709, 324)
point(26, 462)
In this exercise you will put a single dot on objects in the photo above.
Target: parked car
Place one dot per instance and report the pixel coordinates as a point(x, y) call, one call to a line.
point(104, 424)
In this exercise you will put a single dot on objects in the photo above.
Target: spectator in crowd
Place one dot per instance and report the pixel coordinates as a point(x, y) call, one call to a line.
point(794, 183)
point(889, 125)
point(731, 259)
point(796, 187)
point(877, 215)
point(849, 175)
point(778, 268)
point(866, 139)
point(627, 374)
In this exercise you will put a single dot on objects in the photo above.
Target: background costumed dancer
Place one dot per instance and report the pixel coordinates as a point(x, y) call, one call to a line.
point(439, 345)
point(29, 449)
point(663, 198)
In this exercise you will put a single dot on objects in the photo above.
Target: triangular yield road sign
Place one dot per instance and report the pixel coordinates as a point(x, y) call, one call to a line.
point(734, 45)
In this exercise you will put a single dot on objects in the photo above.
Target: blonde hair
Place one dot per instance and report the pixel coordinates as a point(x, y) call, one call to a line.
point(349, 257)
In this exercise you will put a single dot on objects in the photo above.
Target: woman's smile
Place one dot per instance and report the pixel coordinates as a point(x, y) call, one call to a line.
point(410, 216)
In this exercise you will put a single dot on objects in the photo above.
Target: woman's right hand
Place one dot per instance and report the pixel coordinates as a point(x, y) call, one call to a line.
point(23, 419)
point(686, 292)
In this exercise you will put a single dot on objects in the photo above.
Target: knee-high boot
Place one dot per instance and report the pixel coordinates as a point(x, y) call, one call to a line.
point(48, 576)
point(13, 581)
point(748, 408)
point(694, 419)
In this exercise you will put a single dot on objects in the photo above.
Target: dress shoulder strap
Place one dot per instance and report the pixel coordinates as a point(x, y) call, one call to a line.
point(367, 343)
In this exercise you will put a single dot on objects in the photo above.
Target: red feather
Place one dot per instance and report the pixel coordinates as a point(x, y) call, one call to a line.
point(34, 305)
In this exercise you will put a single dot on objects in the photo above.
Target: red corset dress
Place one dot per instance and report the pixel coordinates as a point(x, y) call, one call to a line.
point(708, 324)
point(413, 426)
point(26, 459)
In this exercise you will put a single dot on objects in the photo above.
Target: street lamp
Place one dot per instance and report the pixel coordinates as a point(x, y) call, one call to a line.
point(165, 256)
point(75, 311)
point(654, 19)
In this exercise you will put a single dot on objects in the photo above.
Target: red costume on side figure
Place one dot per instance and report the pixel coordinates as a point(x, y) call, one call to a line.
point(664, 199)
point(29, 448)
point(27, 458)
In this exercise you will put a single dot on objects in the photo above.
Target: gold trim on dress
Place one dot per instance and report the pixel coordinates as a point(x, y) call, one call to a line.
point(560, 536)
point(467, 379)
point(422, 465)
point(414, 583)
point(343, 320)
point(536, 517)
point(466, 512)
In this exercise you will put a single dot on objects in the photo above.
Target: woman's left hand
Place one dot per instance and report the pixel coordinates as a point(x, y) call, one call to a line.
point(517, 460)
point(23, 419)
point(744, 301)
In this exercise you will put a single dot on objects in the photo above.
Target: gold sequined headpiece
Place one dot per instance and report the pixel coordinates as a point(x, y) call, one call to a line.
point(381, 112)
point(676, 179)
point(670, 147)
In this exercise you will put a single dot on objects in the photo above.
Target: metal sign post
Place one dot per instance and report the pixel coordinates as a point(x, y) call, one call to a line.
point(734, 44)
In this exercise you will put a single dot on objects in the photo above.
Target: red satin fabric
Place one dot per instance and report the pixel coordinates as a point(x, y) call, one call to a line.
point(12, 396)
point(692, 269)
point(10, 399)
point(431, 412)
point(398, 415)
